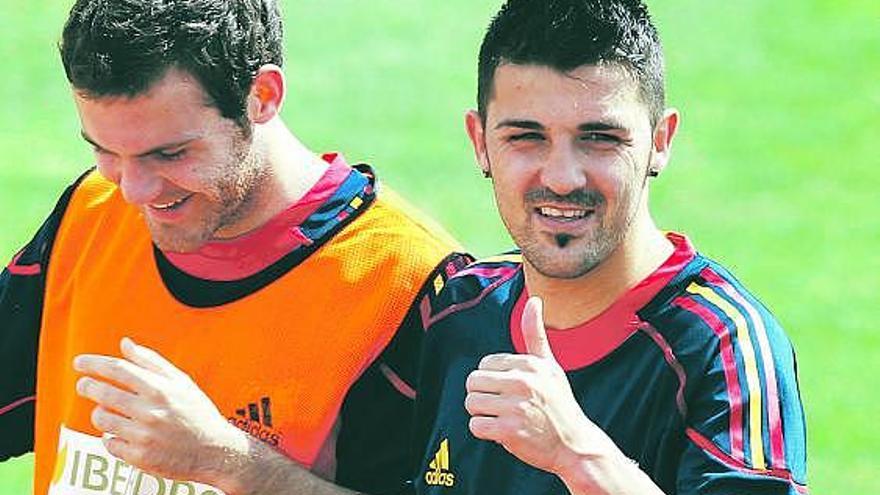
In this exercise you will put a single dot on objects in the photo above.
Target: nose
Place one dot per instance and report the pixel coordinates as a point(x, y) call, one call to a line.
point(563, 170)
point(139, 184)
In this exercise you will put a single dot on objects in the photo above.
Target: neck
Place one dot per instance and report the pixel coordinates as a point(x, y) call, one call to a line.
point(289, 170)
point(294, 168)
point(570, 302)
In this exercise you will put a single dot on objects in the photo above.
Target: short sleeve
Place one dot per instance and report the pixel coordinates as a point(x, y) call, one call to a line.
point(22, 283)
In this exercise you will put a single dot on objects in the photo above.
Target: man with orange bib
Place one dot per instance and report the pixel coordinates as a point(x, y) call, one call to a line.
point(284, 286)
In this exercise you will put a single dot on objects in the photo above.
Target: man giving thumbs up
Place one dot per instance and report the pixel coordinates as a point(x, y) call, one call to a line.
point(650, 368)
point(525, 403)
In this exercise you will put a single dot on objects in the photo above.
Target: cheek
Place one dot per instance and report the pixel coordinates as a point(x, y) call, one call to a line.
point(619, 178)
point(515, 171)
point(510, 187)
point(510, 200)
point(191, 175)
point(204, 167)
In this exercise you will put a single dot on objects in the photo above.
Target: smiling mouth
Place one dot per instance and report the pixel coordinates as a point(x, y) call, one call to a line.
point(564, 215)
point(173, 205)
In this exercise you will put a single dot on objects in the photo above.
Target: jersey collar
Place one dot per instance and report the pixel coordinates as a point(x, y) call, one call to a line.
point(251, 253)
point(592, 340)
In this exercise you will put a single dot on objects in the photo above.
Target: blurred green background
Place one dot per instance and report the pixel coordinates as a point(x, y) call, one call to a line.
point(775, 171)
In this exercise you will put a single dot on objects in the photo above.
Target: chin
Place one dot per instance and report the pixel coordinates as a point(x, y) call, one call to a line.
point(176, 246)
point(565, 258)
point(563, 269)
point(177, 243)
point(555, 262)
point(180, 237)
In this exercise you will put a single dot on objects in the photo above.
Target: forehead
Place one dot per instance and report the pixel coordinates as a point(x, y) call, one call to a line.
point(175, 88)
point(176, 104)
point(590, 92)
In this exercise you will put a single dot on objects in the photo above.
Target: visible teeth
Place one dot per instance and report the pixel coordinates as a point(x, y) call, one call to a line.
point(165, 206)
point(553, 212)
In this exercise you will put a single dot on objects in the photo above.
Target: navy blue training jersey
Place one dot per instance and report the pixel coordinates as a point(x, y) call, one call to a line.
point(688, 373)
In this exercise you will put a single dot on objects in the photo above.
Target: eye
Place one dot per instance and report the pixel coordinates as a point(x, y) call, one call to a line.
point(527, 136)
point(171, 155)
point(600, 137)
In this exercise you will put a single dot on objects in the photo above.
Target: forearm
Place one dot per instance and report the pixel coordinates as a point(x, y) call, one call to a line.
point(611, 473)
point(164, 424)
point(254, 468)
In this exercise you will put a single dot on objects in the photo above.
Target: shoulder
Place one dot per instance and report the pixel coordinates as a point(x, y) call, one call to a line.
point(392, 227)
point(95, 199)
point(739, 392)
point(379, 240)
point(92, 193)
point(409, 220)
point(486, 279)
point(706, 308)
point(33, 256)
point(95, 188)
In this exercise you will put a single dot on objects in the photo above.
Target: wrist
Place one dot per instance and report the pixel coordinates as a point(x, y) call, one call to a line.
point(228, 460)
point(605, 472)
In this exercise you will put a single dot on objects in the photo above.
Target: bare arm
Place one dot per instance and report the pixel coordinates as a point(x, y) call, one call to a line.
point(22, 287)
point(164, 424)
point(257, 469)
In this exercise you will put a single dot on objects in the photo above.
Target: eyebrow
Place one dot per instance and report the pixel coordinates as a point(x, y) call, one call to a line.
point(520, 124)
point(601, 126)
point(153, 151)
point(537, 126)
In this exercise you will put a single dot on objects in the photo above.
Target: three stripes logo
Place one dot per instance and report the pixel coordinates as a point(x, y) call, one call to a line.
point(256, 420)
point(254, 412)
point(438, 473)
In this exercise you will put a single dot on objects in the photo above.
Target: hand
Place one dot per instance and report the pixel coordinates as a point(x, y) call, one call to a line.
point(525, 403)
point(160, 421)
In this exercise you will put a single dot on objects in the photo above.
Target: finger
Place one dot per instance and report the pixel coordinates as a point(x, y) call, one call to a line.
point(485, 428)
point(508, 362)
point(116, 425)
point(534, 334)
point(499, 383)
point(118, 370)
point(483, 404)
point(122, 449)
point(148, 358)
point(108, 396)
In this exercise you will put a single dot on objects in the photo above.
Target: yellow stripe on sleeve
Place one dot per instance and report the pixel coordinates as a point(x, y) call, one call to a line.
point(756, 439)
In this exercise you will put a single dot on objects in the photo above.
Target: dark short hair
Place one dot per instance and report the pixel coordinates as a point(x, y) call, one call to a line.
point(567, 34)
point(123, 47)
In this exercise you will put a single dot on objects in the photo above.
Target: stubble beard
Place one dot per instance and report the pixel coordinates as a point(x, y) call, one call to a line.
point(232, 199)
point(564, 256)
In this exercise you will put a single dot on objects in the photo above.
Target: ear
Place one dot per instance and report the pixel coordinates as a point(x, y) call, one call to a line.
point(664, 133)
point(267, 94)
point(474, 126)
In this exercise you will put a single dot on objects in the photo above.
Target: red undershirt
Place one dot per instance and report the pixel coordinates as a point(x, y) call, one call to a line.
point(246, 255)
point(589, 342)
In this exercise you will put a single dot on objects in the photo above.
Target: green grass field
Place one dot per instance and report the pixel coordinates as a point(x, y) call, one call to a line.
point(773, 174)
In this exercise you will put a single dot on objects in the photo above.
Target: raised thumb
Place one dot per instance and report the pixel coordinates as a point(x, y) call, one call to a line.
point(534, 334)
